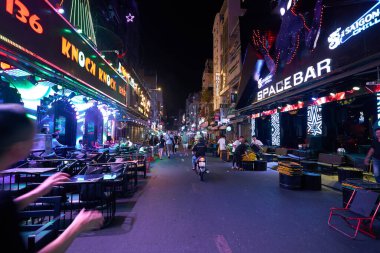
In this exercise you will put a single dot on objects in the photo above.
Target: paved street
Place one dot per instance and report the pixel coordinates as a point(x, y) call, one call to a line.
point(231, 212)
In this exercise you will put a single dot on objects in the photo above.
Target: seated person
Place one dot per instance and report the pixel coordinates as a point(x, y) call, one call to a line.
point(80, 145)
point(55, 143)
point(109, 141)
point(256, 145)
point(240, 151)
point(129, 143)
point(199, 150)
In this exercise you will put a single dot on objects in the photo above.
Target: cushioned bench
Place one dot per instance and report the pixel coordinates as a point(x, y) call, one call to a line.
point(279, 154)
point(327, 163)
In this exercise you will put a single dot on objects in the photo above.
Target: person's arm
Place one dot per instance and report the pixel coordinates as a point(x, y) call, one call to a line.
point(44, 188)
point(370, 153)
point(85, 221)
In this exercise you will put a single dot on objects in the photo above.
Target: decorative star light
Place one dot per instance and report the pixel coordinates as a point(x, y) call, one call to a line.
point(129, 18)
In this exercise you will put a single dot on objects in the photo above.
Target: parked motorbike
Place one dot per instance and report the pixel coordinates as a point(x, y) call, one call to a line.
point(201, 167)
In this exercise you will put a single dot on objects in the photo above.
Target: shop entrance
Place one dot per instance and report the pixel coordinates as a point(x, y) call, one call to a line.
point(59, 117)
point(293, 128)
point(93, 127)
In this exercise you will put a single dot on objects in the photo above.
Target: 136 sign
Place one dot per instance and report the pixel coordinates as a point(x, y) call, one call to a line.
point(17, 8)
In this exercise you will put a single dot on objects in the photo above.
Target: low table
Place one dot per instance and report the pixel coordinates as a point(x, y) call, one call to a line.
point(349, 172)
point(311, 181)
point(309, 165)
point(260, 165)
point(290, 182)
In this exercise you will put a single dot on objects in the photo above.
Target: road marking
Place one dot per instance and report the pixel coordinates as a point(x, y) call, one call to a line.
point(222, 244)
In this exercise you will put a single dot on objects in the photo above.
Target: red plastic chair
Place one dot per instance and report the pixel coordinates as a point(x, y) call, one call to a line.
point(359, 213)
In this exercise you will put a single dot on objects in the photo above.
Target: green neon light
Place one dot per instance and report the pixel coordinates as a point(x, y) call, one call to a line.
point(30, 116)
point(66, 30)
point(80, 17)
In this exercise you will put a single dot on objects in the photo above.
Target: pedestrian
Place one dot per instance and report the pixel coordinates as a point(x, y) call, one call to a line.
point(240, 151)
point(161, 146)
point(374, 152)
point(235, 144)
point(16, 140)
point(176, 143)
point(185, 143)
point(169, 144)
point(222, 147)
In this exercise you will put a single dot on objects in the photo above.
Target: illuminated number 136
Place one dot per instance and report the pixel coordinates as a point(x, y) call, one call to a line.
point(22, 14)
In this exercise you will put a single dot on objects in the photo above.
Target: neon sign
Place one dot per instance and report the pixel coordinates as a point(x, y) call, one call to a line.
point(369, 19)
point(129, 18)
point(53, 43)
point(23, 15)
point(72, 52)
point(322, 67)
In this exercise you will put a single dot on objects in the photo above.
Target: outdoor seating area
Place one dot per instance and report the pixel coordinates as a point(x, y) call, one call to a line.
point(95, 184)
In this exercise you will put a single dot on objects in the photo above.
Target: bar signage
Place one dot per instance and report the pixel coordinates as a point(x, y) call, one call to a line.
point(34, 31)
point(311, 73)
point(369, 19)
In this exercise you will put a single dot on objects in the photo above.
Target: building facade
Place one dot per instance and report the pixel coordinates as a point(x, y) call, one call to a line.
point(227, 57)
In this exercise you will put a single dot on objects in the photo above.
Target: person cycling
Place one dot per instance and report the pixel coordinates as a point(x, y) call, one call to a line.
point(199, 150)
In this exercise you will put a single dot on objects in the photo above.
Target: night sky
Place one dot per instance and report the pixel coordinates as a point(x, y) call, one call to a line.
point(177, 40)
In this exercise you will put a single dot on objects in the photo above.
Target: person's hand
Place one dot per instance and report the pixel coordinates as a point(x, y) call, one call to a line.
point(88, 220)
point(52, 181)
point(366, 161)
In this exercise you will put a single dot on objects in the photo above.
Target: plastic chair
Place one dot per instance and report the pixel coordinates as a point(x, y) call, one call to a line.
point(359, 213)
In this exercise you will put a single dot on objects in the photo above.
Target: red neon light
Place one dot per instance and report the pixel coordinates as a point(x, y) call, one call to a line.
point(269, 112)
point(294, 107)
point(331, 98)
point(256, 115)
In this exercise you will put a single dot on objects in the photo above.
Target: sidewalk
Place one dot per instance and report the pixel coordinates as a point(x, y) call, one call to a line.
point(231, 211)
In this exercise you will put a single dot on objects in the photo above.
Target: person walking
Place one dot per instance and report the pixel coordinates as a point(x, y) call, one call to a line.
point(161, 146)
point(176, 143)
point(374, 152)
point(169, 144)
point(235, 144)
point(185, 144)
point(222, 146)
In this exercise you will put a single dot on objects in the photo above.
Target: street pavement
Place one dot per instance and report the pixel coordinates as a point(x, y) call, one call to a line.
point(232, 211)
